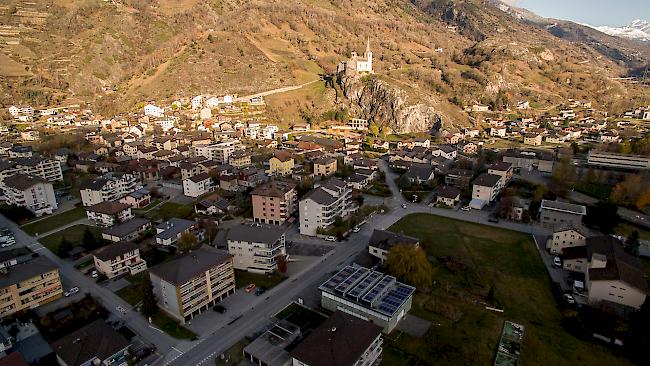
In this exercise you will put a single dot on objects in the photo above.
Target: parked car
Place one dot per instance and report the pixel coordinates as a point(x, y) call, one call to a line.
point(250, 288)
point(94, 274)
point(356, 229)
point(71, 291)
point(569, 299)
point(466, 208)
point(259, 291)
point(403, 205)
point(121, 309)
point(219, 309)
point(330, 238)
point(557, 262)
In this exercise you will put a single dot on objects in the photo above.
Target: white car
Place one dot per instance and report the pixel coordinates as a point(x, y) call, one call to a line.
point(356, 229)
point(403, 205)
point(557, 262)
point(466, 208)
point(94, 274)
point(7, 244)
point(569, 299)
point(71, 291)
point(330, 238)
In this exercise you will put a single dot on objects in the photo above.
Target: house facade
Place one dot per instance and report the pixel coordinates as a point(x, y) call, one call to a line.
point(274, 202)
point(118, 259)
point(35, 194)
point(326, 202)
point(256, 249)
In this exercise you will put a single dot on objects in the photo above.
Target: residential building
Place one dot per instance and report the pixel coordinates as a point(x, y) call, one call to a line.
point(256, 248)
point(447, 195)
point(502, 169)
point(342, 340)
point(534, 139)
point(47, 169)
point(420, 174)
point(530, 160)
point(613, 275)
point(366, 294)
point(153, 110)
point(127, 231)
point(137, 199)
point(485, 189)
point(28, 285)
point(109, 213)
point(240, 159)
point(94, 344)
point(281, 163)
point(193, 283)
point(171, 230)
point(109, 187)
point(554, 214)
point(213, 205)
point(618, 161)
point(381, 242)
point(274, 202)
point(325, 166)
point(567, 237)
point(358, 124)
point(198, 185)
point(35, 194)
point(271, 347)
point(220, 151)
point(459, 178)
point(320, 207)
point(118, 259)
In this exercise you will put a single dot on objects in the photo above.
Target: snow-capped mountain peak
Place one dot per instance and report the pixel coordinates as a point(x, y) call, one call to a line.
point(638, 29)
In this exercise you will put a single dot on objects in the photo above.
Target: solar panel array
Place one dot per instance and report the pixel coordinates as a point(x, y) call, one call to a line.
point(352, 280)
point(377, 290)
point(357, 291)
point(339, 277)
point(395, 298)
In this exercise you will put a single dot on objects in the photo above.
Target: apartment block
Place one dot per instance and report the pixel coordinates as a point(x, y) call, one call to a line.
point(47, 169)
point(119, 258)
point(220, 151)
point(255, 248)
point(274, 202)
point(198, 185)
point(320, 207)
point(109, 213)
point(110, 187)
point(29, 285)
point(191, 284)
point(324, 167)
point(485, 189)
point(367, 294)
point(33, 193)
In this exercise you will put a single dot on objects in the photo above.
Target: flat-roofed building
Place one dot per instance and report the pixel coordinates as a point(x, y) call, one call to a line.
point(271, 347)
point(554, 214)
point(29, 285)
point(274, 202)
point(256, 248)
point(367, 294)
point(191, 284)
point(618, 161)
point(342, 340)
point(530, 160)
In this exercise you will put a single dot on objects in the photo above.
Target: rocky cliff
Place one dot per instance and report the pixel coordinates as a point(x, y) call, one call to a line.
point(386, 105)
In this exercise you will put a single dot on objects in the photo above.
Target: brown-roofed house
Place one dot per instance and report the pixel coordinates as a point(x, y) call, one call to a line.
point(96, 343)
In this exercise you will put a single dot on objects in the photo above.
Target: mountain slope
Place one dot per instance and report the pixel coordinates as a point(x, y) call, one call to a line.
point(439, 55)
point(637, 30)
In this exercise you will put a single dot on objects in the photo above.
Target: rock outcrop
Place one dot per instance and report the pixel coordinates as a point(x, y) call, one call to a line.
point(387, 106)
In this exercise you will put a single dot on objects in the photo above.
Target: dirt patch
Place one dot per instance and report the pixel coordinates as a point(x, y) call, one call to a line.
point(11, 68)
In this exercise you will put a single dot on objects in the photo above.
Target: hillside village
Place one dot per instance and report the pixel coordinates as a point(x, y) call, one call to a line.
point(203, 229)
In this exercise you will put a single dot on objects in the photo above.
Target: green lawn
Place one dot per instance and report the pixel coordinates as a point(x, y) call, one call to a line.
point(600, 191)
point(170, 209)
point(74, 234)
point(234, 355)
point(133, 292)
point(469, 259)
point(243, 279)
point(171, 327)
point(151, 205)
point(55, 221)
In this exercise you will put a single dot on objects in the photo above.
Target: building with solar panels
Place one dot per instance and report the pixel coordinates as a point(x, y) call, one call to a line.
point(369, 295)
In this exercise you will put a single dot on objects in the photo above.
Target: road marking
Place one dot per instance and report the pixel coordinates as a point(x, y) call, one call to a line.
point(177, 350)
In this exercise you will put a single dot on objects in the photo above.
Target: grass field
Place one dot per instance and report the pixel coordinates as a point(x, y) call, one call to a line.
point(74, 234)
point(170, 209)
point(243, 279)
point(477, 258)
point(55, 221)
point(171, 327)
point(133, 292)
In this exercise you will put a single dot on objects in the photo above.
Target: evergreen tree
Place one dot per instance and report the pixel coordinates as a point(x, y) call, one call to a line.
point(632, 243)
point(149, 306)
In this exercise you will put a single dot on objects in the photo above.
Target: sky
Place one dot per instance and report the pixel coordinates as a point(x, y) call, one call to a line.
point(593, 12)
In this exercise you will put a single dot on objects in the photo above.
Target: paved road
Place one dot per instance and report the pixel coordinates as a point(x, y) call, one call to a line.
point(72, 277)
point(257, 316)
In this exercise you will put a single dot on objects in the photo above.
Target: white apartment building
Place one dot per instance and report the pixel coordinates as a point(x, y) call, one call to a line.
point(109, 213)
point(220, 151)
point(119, 258)
point(47, 169)
point(327, 201)
point(152, 110)
point(193, 283)
point(110, 187)
point(35, 194)
point(256, 248)
point(358, 124)
point(197, 185)
point(485, 189)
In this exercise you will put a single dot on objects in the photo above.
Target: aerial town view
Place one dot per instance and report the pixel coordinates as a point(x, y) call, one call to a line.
point(324, 182)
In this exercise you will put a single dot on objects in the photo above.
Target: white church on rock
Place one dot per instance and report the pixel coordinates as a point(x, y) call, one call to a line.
point(358, 64)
